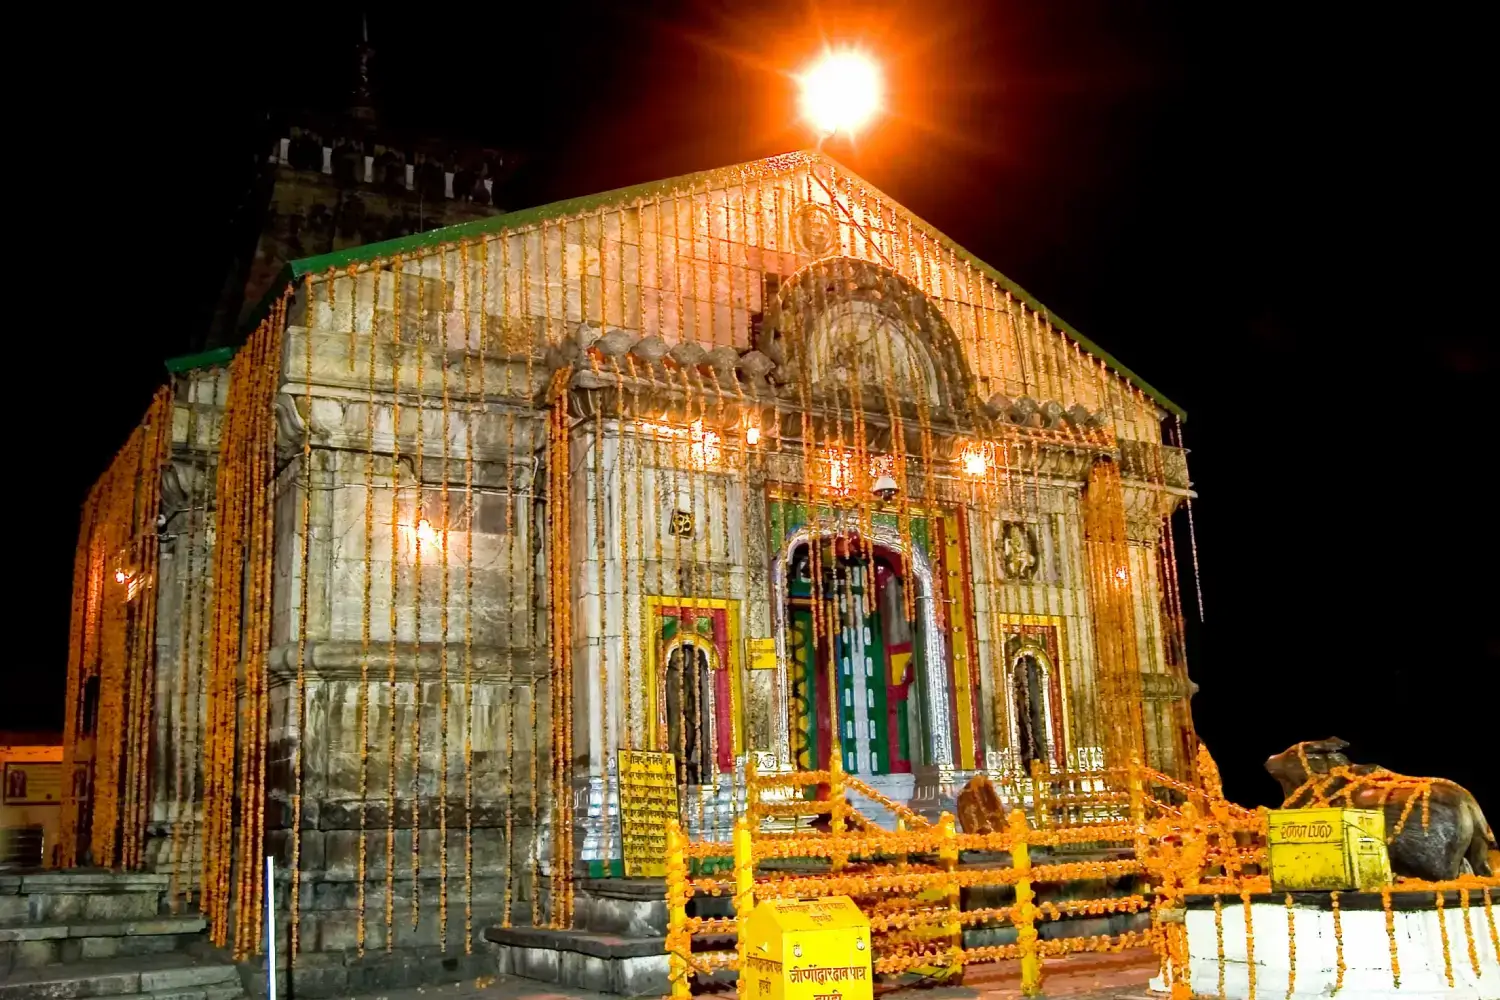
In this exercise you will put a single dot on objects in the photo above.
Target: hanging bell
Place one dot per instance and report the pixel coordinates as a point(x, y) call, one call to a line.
point(885, 486)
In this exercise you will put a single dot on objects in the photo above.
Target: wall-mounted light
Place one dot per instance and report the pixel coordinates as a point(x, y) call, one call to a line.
point(883, 474)
point(424, 535)
point(975, 462)
point(752, 434)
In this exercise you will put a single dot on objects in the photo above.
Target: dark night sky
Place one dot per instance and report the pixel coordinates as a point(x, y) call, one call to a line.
point(1263, 210)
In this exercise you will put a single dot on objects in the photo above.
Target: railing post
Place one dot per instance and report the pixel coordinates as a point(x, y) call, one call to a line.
point(838, 814)
point(1137, 807)
point(744, 896)
point(1023, 915)
point(679, 941)
point(836, 792)
point(1039, 789)
point(752, 794)
point(948, 857)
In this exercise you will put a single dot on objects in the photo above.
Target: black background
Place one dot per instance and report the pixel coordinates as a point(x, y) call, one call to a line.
point(1273, 213)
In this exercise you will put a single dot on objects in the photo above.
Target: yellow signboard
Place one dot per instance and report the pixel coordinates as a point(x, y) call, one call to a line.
point(1326, 849)
point(32, 783)
point(762, 654)
point(810, 949)
point(648, 798)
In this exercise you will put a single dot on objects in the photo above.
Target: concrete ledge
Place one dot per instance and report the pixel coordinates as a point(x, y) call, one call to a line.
point(634, 889)
point(93, 882)
point(117, 976)
point(608, 946)
point(108, 928)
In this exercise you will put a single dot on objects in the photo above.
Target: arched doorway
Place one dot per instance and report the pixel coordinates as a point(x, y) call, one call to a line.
point(689, 707)
point(856, 684)
point(861, 575)
point(1034, 722)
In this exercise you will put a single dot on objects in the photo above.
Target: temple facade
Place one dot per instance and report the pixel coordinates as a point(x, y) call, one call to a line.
point(751, 465)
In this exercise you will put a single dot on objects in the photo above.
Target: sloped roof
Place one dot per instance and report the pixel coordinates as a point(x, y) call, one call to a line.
point(339, 259)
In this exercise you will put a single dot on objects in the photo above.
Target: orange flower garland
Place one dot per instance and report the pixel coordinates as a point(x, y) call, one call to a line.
point(1390, 933)
point(1338, 944)
point(1443, 933)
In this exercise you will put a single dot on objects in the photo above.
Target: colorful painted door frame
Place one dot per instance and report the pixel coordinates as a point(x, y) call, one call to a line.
point(935, 700)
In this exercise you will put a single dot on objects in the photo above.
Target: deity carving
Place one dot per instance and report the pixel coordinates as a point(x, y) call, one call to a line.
point(816, 230)
point(858, 343)
point(1018, 551)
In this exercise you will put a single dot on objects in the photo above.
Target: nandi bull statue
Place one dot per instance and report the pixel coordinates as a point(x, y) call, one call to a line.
point(1434, 827)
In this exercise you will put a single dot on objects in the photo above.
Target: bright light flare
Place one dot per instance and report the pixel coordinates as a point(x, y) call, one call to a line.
point(975, 462)
point(841, 92)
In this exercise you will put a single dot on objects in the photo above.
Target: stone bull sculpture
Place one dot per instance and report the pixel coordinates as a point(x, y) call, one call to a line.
point(1434, 827)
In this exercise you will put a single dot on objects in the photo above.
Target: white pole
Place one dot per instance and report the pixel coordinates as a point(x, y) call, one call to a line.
point(270, 928)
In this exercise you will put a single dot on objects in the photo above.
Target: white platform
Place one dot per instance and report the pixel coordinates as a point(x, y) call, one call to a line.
point(1367, 956)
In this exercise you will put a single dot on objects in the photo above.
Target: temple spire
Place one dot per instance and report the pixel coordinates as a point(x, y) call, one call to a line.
point(361, 109)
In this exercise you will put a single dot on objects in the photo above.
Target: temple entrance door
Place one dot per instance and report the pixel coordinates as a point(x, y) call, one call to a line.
point(694, 705)
point(852, 667)
point(1029, 709)
point(689, 681)
point(1033, 711)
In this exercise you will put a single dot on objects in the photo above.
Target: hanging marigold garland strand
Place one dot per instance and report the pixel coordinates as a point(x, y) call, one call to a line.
point(394, 623)
point(1489, 918)
point(185, 610)
point(1463, 903)
point(1338, 943)
point(303, 597)
point(366, 600)
point(1390, 933)
point(1291, 946)
point(1442, 921)
point(418, 515)
point(1249, 943)
point(443, 595)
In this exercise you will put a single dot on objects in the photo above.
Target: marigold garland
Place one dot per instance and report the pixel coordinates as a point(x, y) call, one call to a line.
point(1291, 947)
point(1390, 933)
point(1489, 917)
point(1443, 934)
point(1463, 902)
point(1338, 943)
point(366, 597)
point(393, 625)
point(1219, 937)
point(419, 513)
point(1249, 943)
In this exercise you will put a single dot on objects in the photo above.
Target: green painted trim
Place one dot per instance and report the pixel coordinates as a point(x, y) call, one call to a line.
point(204, 359)
point(572, 206)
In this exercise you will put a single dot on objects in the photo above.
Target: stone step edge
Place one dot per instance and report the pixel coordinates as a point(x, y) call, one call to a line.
point(214, 992)
point(141, 927)
point(593, 944)
point(89, 881)
point(139, 968)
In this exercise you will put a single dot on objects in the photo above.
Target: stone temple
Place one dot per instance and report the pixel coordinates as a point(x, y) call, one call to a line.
point(750, 465)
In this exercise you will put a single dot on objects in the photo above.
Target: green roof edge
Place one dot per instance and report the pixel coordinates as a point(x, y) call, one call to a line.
point(570, 206)
point(203, 359)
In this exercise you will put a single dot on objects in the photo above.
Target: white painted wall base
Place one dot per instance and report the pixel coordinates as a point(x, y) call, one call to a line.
point(1367, 956)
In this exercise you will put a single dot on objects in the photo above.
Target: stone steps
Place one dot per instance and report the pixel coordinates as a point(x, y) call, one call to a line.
point(603, 963)
point(161, 977)
point(31, 945)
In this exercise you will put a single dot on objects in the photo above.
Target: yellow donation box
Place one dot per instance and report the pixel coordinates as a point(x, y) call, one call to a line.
point(1315, 849)
point(810, 949)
